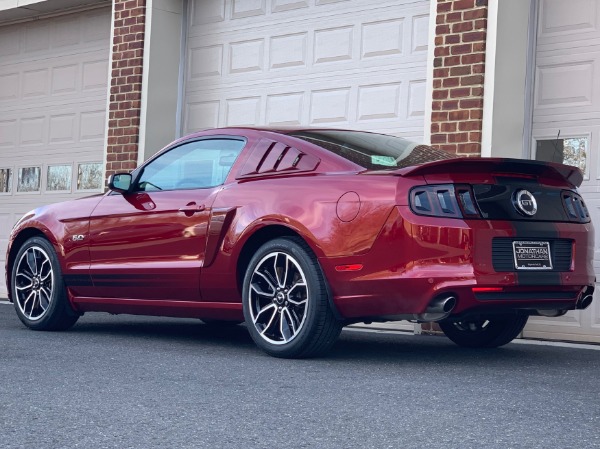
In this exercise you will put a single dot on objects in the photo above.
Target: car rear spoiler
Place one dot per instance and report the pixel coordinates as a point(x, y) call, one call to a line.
point(551, 170)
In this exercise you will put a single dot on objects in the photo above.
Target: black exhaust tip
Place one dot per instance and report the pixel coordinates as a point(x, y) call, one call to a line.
point(584, 302)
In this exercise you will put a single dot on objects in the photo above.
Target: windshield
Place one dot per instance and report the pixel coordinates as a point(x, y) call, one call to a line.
point(374, 151)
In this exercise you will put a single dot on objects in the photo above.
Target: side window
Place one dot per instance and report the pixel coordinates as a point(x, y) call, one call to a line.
point(193, 165)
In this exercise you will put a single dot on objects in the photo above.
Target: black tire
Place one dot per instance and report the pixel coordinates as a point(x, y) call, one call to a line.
point(482, 332)
point(289, 319)
point(37, 287)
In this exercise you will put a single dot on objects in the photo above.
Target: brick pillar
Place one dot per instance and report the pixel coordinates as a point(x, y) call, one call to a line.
point(125, 85)
point(458, 73)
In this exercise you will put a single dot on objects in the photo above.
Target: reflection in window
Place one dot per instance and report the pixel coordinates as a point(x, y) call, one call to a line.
point(570, 151)
point(5, 180)
point(194, 165)
point(89, 176)
point(59, 178)
point(28, 179)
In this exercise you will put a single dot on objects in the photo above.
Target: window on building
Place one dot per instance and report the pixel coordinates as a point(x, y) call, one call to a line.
point(569, 150)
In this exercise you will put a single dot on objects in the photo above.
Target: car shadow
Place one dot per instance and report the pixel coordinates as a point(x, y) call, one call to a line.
point(164, 330)
point(353, 346)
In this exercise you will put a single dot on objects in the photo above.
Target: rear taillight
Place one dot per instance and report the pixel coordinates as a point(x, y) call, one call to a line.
point(575, 207)
point(444, 200)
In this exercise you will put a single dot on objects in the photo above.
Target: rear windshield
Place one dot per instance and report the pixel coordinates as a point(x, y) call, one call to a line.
point(374, 151)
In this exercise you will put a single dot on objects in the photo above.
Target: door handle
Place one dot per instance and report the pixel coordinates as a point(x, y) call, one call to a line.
point(192, 208)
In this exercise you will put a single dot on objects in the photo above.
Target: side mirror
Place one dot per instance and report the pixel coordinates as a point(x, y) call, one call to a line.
point(120, 182)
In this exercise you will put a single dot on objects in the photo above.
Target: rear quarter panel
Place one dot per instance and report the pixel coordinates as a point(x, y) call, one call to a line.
point(306, 204)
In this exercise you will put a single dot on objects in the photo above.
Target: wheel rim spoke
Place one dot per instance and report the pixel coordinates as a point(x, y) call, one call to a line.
point(291, 320)
point(268, 280)
point(278, 284)
point(270, 322)
point(284, 327)
point(260, 291)
point(34, 283)
point(279, 276)
point(31, 261)
point(26, 276)
point(263, 310)
point(46, 298)
point(26, 302)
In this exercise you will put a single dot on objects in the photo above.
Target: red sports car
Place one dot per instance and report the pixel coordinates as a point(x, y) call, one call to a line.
point(299, 232)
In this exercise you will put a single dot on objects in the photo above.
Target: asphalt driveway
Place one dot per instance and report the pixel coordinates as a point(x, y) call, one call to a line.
point(125, 382)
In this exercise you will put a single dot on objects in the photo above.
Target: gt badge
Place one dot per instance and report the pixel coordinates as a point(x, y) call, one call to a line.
point(78, 237)
point(525, 202)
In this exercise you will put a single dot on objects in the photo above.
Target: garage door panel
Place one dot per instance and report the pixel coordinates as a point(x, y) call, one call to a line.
point(567, 105)
point(65, 76)
point(394, 98)
point(343, 46)
point(53, 87)
point(40, 40)
point(220, 16)
point(405, 71)
point(561, 22)
point(567, 81)
point(45, 127)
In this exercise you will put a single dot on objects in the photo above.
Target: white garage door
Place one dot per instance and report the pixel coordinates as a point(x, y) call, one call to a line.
point(341, 63)
point(53, 87)
point(567, 125)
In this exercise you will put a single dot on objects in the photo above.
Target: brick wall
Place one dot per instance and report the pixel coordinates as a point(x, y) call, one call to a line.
point(126, 85)
point(459, 65)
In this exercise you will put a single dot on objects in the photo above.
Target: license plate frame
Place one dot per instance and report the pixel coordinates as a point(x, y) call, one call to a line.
point(532, 255)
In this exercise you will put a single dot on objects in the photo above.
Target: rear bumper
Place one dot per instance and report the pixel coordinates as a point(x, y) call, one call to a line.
point(416, 259)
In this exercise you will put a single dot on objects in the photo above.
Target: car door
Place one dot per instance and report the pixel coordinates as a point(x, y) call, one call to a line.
point(149, 243)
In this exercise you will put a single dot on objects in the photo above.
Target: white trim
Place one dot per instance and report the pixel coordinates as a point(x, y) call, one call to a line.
point(429, 77)
point(558, 344)
point(182, 66)
point(109, 85)
point(144, 93)
point(530, 80)
point(46, 15)
point(489, 79)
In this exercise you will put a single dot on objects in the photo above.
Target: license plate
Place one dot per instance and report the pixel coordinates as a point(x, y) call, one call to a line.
point(532, 255)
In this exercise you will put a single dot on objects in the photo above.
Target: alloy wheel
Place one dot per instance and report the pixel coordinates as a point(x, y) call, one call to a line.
point(278, 298)
point(34, 283)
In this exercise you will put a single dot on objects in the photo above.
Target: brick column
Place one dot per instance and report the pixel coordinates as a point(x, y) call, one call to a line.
point(125, 85)
point(459, 65)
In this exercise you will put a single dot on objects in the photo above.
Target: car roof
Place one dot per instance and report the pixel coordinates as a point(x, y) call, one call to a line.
point(273, 129)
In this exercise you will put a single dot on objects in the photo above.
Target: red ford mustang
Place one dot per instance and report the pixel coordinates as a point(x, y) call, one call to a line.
point(300, 232)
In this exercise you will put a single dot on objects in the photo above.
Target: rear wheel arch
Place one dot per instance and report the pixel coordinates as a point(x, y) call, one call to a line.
point(255, 241)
